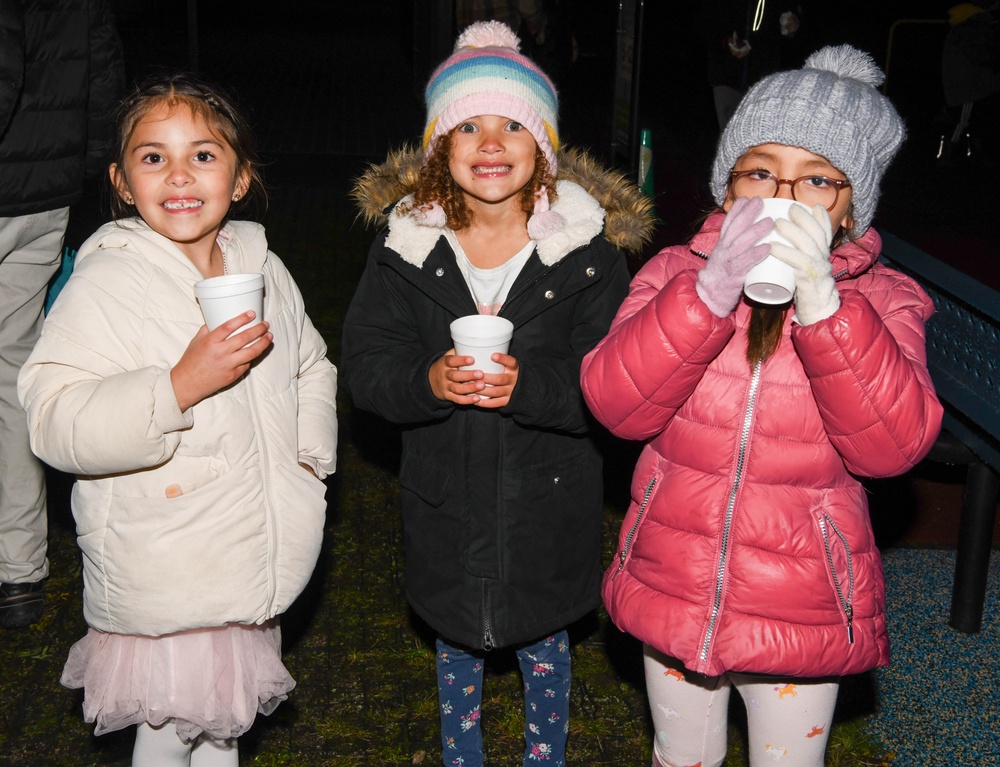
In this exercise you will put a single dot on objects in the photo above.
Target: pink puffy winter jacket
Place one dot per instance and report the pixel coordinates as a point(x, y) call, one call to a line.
point(747, 545)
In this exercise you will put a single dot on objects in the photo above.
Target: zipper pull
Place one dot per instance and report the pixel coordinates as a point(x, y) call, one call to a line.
point(850, 624)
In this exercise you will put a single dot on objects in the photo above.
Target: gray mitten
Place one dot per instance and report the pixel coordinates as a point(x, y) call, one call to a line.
point(720, 283)
point(810, 233)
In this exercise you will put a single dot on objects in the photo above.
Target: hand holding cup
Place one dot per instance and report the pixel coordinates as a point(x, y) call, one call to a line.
point(808, 234)
point(772, 281)
point(477, 337)
point(214, 359)
point(222, 298)
point(720, 282)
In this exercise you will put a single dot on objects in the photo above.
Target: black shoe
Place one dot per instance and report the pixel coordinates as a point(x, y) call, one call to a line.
point(21, 604)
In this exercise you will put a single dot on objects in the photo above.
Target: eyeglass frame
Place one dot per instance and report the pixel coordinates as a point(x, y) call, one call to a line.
point(839, 183)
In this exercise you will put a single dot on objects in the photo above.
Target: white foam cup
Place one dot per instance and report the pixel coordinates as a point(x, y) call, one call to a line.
point(772, 281)
point(223, 298)
point(478, 336)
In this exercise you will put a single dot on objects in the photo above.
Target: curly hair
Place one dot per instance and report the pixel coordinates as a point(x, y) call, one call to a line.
point(436, 184)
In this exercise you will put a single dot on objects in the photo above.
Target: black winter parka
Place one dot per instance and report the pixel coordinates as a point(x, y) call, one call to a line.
point(61, 75)
point(502, 509)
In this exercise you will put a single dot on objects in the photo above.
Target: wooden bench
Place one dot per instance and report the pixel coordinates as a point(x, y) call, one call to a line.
point(963, 354)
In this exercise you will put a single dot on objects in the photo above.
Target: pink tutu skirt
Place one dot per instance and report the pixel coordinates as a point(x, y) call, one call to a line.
point(211, 681)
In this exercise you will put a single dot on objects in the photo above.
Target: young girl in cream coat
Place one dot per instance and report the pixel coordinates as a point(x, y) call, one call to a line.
point(199, 454)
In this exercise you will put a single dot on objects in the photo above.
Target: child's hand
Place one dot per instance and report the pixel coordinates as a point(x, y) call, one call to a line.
point(450, 383)
point(810, 233)
point(501, 384)
point(212, 360)
point(720, 282)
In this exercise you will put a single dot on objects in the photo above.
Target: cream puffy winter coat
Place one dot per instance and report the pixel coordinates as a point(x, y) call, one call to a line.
point(747, 545)
point(240, 542)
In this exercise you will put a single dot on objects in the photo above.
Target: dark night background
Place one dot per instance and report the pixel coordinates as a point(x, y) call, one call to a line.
point(299, 80)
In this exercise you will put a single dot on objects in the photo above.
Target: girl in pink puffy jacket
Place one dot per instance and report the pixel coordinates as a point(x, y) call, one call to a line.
point(746, 557)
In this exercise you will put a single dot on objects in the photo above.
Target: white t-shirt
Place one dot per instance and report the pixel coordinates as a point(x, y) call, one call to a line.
point(489, 287)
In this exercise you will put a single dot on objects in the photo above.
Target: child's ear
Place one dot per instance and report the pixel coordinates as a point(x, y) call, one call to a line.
point(118, 181)
point(728, 202)
point(242, 184)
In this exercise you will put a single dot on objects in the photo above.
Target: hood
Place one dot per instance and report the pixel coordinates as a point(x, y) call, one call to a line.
point(245, 244)
point(628, 213)
point(849, 259)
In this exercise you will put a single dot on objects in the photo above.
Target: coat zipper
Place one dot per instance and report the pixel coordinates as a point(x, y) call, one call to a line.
point(487, 622)
point(623, 555)
point(720, 572)
point(846, 602)
point(488, 640)
point(265, 474)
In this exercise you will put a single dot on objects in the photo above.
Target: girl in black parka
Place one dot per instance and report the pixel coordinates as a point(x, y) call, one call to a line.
point(502, 495)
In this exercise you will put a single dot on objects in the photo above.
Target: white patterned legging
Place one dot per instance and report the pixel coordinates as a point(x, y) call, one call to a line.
point(788, 718)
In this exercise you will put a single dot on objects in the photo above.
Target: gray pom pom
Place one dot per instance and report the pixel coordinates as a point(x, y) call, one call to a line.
point(845, 61)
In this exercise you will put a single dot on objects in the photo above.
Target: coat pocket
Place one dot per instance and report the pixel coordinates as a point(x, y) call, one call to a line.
point(840, 564)
point(630, 527)
point(426, 478)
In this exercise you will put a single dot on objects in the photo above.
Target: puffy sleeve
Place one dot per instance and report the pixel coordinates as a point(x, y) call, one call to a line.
point(867, 367)
point(317, 387)
point(659, 346)
point(94, 407)
point(385, 359)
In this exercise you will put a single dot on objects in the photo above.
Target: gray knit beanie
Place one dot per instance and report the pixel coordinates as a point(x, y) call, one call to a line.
point(831, 107)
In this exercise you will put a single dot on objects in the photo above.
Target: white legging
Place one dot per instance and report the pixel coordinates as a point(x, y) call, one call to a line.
point(789, 719)
point(162, 747)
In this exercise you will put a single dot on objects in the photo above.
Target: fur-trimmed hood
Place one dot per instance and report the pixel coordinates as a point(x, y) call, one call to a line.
point(591, 199)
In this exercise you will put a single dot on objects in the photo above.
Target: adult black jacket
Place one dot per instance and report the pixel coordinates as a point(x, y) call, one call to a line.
point(502, 509)
point(61, 74)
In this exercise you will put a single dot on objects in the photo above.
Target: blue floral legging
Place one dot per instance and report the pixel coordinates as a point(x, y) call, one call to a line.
point(545, 671)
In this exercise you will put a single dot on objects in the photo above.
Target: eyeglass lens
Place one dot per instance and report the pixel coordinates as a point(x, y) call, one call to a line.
point(810, 190)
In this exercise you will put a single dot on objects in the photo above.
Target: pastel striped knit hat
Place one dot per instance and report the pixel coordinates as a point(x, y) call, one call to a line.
point(486, 75)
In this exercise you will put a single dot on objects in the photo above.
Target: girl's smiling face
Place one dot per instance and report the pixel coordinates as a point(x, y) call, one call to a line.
point(792, 162)
point(492, 159)
point(182, 175)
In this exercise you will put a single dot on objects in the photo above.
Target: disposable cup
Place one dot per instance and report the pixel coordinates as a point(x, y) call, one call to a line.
point(772, 281)
point(223, 298)
point(478, 336)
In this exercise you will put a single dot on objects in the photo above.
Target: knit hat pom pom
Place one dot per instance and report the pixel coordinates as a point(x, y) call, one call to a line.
point(544, 221)
point(487, 34)
point(431, 215)
point(845, 61)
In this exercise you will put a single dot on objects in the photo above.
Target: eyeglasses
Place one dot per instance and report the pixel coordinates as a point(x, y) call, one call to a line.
point(811, 190)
